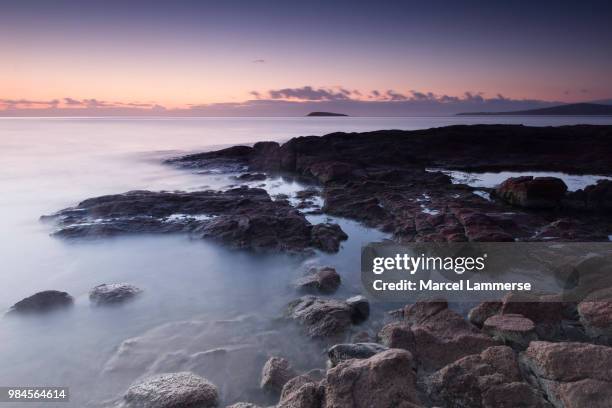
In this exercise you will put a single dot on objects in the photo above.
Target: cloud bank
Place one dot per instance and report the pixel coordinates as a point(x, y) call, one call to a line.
point(286, 102)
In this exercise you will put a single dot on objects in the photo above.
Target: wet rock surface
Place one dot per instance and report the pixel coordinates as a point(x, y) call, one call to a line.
point(533, 192)
point(512, 329)
point(275, 374)
point(113, 293)
point(342, 352)
point(245, 218)
point(321, 318)
point(175, 390)
point(42, 302)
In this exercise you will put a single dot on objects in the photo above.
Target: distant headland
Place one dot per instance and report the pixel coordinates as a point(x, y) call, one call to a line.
point(325, 114)
point(574, 109)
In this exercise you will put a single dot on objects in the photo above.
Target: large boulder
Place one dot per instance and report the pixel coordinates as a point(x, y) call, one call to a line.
point(384, 380)
point(596, 315)
point(347, 351)
point(360, 308)
point(595, 197)
point(275, 374)
point(572, 375)
point(512, 329)
point(174, 390)
point(42, 302)
point(533, 192)
point(320, 280)
point(481, 312)
point(490, 379)
point(440, 335)
point(301, 392)
point(322, 318)
point(113, 293)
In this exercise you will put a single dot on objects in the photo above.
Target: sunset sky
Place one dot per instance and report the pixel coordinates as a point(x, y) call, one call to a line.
point(262, 57)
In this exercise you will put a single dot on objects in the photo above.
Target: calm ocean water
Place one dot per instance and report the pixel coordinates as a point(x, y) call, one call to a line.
point(49, 164)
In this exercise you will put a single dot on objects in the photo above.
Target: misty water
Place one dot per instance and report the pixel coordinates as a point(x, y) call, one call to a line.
point(50, 164)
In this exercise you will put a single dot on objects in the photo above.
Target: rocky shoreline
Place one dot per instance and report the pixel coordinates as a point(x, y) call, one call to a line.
point(511, 353)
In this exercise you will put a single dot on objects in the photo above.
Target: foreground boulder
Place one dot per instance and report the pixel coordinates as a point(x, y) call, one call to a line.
point(113, 293)
point(321, 280)
point(490, 379)
point(435, 335)
point(275, 374)
point(322, 318)
point(481, 312)
point(533, 192)
point(385, 380)
point(302, 392)
point(342, 352)
point(596, 315)
point(175, 390)
point(512, 329)
point(571, 375)
point(244, 218)
point(42, 302)
point(360, 308)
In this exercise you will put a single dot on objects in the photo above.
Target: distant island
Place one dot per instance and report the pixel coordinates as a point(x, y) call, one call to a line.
point(574, 109)
point(325, 114)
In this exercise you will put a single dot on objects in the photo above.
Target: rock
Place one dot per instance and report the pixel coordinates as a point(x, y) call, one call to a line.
point(42, 302)
point(275, 373)
point(530, 192)
point(301, 392)
point(243, 405)
point(397, 335)
point(442, 336)
point(251, 177)
point(490, 379)
point(328, 171)
point(175, 390)
point(327, 237)
point(483, 311)
point(596, 315)
point(245, 218)
point(595, 197)
point(360, 308)
point(321, 280)
point(384, 380)
point(113, 293)
point(512, 329)
point(342, 352)
point(322, 318)
point(571, 375)
point(307, 193)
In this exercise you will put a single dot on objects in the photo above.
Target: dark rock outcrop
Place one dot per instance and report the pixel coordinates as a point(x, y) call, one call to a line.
point(245, 218)
point(302, 392)
point(360, 308)
point(42, 302)
point(530, 192)
point(175, 390)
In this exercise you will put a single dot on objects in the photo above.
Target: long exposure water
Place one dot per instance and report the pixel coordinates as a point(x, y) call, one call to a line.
point(50, 164)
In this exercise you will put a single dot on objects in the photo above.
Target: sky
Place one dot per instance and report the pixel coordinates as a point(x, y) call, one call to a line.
point(279, 58)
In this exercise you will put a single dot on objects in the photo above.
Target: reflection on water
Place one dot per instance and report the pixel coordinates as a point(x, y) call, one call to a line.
point(491, 180)
point(49, 164)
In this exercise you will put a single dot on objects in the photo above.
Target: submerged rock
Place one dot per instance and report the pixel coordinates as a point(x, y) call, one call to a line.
point(533, 192)
point(322, 318)
point(175, 390)
point(42, 302)
point(245, 218)
point(112, 293)
point(321, 280)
